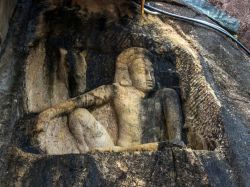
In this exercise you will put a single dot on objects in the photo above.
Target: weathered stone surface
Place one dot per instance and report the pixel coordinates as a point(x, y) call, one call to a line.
point(170, 166)
point(209, 71)
point(6, 11)
point(240, 10)
point(12, 57)
point(43, 88)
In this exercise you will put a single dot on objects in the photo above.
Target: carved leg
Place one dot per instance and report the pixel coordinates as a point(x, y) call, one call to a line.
point(78, 132)
point(124, 140)
point(88, 132)
point(173, 114)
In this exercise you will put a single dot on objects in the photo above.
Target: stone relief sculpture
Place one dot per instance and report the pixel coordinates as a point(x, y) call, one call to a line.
point(134, 79)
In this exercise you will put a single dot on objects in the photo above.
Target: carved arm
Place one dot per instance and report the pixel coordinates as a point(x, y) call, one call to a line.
point(96, 97)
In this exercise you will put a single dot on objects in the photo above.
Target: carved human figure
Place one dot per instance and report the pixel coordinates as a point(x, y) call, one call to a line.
point(134, 79)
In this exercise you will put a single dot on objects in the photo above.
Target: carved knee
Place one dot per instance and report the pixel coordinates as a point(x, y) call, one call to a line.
point(81, 117)
point(76, 128)
point(172, 113)
point(168, 93)
point(83, 125)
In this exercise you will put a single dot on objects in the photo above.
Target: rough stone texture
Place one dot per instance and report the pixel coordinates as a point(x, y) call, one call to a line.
point(241, 10)
point(42, 90)
point(12, 56)
point(226, 68)
point(57, 139)
point(213, 83)
point(236, 119)
point(170, 166)
point(6, 10)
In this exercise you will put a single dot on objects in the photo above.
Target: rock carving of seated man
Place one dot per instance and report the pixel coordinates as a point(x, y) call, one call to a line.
point(134, 79)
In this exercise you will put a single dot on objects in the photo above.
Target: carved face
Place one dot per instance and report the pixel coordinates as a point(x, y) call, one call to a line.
point(142, 74)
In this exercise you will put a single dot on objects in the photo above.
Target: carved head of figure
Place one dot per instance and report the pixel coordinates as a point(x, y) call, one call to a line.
point(134, 68)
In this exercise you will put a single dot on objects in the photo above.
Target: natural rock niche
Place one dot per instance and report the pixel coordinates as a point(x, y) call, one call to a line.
point(93, 98)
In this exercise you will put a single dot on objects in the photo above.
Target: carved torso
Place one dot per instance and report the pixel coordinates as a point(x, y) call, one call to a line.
point(127, 103)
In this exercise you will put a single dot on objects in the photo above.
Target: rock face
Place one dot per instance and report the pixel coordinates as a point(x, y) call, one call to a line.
point(54, 54)
point(6, 10)
point(171, 166)
point(239, 9)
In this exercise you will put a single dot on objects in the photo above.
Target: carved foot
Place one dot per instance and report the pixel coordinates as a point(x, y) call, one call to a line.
point(141, 147)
